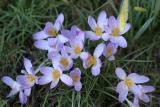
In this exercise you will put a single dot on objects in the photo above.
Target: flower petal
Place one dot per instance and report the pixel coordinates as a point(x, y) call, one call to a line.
point(45, 79)
point(12, 93)
point(27, 92)
point(138, 78)
point(40, 35)
point(46, 70)
point(92, 22)
point(102, 19)
point(99, 50)
point(66, 79)
point(22, 98)
point(78, 86)
point(84, 55)
point(126, 29)
point(120, 73)
point(122, 89)
point(147, 89)
point(121, 41)
point(96, 70)
point(54, 84)
point(105, 36)
point(145, 98)
point(59, 21)
point(91, 35)
point(8, 81)
point(112, 22)
point(42, 44)
point(28, 66)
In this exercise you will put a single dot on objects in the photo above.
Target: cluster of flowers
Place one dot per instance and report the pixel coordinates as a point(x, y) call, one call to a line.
point(64, 46)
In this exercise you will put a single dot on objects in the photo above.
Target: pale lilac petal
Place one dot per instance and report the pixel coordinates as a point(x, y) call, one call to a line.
point(55, 61)
point(78, 86)
point(122, 89)
point(92, 22)
point(67, 33)
point(96, 69)
point(84, 55)
point(46, 70)
point(59, 21)
point(102, 19)
point(42, 44)
point(8, 81)
point(147, 89)
point(126, 29)
point(62, 39)
point(40, 35)
point(28, 66)
point(54, 84)
point(77, 72)
point(45, 79)
point(135, 102)
point(138, 78)
point(112, 22)
point(27, 92)
point(66, 79)
point(22, 98)
point(12, 93)
point(120, 73)
point(135, 90)
point(105, 36)
point(22, 79)
point(91, 35)
point(145, 98)
point(98, 50)
point(120, 40)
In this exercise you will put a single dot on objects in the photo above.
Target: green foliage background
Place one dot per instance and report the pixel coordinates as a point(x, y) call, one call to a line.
point(19, 19)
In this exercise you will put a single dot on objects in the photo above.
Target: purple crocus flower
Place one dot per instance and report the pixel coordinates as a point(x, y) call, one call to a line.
point(50, 30)
point(93, 61)
point(98, 28)
point(76, 77)
point(110, 50)
point(63, 60)
point(53, 75)
point(29, 78)
point(128, 83)
point(16, 87)
point(114, 32)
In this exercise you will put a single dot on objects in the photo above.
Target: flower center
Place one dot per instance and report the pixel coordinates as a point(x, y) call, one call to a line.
point(31, 78)
point(109, 52)
point(64, 62)
point(55, 74)
point(75, 78)
point(52, 32)
point(129, 83)
point(115, 31)
point(98, 31)
point(91, 60)
point(77, 50)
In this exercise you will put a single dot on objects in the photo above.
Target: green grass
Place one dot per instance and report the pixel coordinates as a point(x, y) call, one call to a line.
point(19, 19)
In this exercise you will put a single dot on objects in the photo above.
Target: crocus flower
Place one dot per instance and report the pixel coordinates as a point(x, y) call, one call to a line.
point(76, 77)
point(50, 30)
point(29, 78)
point(63, 60)
point(128, 83)
point(110, 50)
point(53, 75)
point(115, 36)
point(98, 28)
point(93, 61)
point(16, 87)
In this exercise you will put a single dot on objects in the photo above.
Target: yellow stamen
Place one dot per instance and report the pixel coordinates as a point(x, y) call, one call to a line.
point(52, 32)
point(55, 74)
point(115, 31)
point(98, 31)
point(75, 78)
point(31, 78)
point(77, 50)
point(64, 62)
point(91, 60)
point(129, 83)
point(109, 52)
